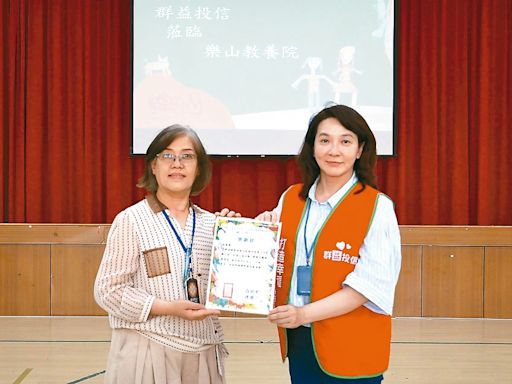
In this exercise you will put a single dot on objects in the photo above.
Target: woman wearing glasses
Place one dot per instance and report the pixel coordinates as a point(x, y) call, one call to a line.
point(341, 257)
point(153, 276)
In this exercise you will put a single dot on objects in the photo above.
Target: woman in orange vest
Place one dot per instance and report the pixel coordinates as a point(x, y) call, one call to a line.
point(339, 258)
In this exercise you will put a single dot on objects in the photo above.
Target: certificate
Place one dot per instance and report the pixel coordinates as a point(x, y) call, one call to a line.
point(243, 265)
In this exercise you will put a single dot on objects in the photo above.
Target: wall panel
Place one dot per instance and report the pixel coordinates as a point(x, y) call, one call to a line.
point(24, 280)
point(408, 289)
point(447, 271)
point(74, 269)
point(498, 282)
point(452, 282)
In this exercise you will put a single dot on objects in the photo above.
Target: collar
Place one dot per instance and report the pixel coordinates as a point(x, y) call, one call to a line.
point(155, 204)
point(336, 197)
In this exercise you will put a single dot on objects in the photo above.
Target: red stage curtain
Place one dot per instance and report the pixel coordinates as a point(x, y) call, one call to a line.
point(65, 99)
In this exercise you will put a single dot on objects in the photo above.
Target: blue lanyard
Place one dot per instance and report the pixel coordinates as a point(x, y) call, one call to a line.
point(188, 251)
point(308, 250)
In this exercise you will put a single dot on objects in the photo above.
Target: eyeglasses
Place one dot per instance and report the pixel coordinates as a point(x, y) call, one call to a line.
point(170, 158)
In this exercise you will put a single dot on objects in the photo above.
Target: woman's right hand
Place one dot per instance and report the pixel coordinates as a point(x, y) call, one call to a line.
point(192, 311)
point(267, 216)
point(182, 308)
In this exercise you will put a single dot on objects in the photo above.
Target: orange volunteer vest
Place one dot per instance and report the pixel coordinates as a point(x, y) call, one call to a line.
point(357, 344)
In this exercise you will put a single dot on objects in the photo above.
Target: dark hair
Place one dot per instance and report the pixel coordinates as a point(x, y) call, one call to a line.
point(353, 121)
point(162, 141)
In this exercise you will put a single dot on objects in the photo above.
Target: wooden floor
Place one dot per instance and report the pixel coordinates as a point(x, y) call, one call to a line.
point(434, 351)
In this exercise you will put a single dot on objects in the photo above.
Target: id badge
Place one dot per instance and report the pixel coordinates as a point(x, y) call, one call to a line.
point(304, 280)
point(192, 290)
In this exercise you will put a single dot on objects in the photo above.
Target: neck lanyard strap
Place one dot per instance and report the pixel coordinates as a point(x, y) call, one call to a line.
point(187, 250)
point(308, 250)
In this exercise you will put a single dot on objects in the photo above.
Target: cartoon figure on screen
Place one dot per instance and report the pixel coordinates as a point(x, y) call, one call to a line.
point(385, 15)
point(380, 8)
point(313, 80)
point(345, 69)
point(159, 98)
point(161, 66)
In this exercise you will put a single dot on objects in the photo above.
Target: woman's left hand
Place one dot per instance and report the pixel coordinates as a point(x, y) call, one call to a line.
point(226, 212)
point(287, 316)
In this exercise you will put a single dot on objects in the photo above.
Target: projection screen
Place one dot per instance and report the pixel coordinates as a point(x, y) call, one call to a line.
point(248, 75)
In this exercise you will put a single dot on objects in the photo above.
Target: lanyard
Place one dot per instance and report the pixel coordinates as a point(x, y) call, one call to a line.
point(188, 251)
point(310, 249)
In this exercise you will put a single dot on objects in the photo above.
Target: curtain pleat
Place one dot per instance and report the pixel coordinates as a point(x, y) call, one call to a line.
point(65, 94)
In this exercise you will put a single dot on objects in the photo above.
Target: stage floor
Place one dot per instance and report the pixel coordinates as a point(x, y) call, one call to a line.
point(424, 351)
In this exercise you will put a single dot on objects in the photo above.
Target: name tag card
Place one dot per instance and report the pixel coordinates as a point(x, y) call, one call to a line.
point(243, 265)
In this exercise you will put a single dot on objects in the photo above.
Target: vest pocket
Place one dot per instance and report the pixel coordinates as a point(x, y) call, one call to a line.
point(157, 261)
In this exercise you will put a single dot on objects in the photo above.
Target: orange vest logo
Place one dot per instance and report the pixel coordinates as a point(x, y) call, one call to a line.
point(341, 254)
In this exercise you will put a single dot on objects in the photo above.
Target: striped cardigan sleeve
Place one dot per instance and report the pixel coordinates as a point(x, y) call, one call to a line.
point(114, 289)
